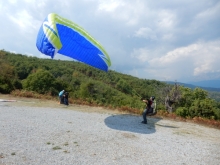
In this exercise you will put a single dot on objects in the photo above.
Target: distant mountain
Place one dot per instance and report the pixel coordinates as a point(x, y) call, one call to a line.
point(192, 86)
point(207, 83)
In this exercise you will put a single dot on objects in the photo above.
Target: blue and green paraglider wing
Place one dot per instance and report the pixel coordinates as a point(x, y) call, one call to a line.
point(59, 35)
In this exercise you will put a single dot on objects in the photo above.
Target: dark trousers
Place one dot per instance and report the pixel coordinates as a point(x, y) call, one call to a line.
point(66, 101)
point(146, 111)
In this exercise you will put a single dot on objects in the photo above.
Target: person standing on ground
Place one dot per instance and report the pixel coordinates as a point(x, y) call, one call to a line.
point(65, 96)
point(149, 108)
point(61, 96)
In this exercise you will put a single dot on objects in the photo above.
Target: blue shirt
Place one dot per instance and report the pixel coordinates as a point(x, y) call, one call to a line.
point(61, 93)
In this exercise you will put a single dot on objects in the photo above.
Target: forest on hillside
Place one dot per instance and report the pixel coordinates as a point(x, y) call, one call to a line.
point(21, 73)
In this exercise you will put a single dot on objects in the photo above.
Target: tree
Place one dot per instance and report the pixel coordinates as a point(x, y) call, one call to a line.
point(41, 81)
point(172, 96)
point(87, 90)
point(8, 78)
point(200, 93)
point(123, 86)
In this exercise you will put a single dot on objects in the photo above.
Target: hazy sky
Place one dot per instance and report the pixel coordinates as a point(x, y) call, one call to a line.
point(162, 40)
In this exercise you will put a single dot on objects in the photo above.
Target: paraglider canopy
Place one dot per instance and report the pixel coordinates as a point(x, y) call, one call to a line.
point(59, 35)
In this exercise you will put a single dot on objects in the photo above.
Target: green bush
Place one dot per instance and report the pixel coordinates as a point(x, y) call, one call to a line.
point(160, 106)
point(6, 86)
point(41, 82)
point(182, 111)
point(8, 78)
point(202, 108)
point(217, 113)
point(87, 90)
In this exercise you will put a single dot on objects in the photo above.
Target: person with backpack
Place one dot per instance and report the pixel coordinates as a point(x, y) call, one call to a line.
point(65, 96)
point(150, 108)
point(61, 96)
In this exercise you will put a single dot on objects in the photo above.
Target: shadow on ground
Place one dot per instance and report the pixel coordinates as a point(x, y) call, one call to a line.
point(131, 123)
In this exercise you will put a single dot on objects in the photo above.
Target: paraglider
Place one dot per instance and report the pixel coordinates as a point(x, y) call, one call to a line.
point(59, 35)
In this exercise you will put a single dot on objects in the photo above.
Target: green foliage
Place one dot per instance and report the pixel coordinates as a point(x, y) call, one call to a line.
point(121, 85)
point(8, 78)
point(200, 93)
point(46, 76)
point(87, 90)
point(191, 103)
point(202, 108)
point(42, 82)
point(182, 111)
point(186, 97)
point(5, 87)
point(160, 106)
point(216, 113)
point(194, 103)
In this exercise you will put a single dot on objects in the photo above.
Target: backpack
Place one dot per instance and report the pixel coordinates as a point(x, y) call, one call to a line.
point(154, 109)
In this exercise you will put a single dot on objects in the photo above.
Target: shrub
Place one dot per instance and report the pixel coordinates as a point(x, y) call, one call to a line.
point(182, 111)
point(217, 113)
point(6, 86)
point(41, 82)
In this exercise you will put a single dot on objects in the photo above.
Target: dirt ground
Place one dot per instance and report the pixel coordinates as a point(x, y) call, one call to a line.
point(94, 135)
point(32, 102)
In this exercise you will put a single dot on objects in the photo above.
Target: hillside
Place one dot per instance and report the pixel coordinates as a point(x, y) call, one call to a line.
point(26, 76)
point(214, 93)
point(81, 81)
point(207, 83)
point(213, 89)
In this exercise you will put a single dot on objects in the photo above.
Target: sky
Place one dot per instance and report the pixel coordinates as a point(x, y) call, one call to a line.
point(165, 40)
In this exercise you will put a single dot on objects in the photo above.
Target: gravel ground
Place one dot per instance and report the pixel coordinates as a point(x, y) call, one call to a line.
point(60, 135)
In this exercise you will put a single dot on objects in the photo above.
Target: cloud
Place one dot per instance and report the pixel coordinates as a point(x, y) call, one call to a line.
point(142, 54)
point(147, 33)
point(122, 10)
point(110, 6)
point(195, 60)
point(24, 20)
point(166, 20)
point(172, 40)
point(211, 12)
point(207, 59)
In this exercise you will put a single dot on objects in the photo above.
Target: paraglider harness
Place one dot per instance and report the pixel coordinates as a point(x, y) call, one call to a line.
point(154, 112)
point(151, 110)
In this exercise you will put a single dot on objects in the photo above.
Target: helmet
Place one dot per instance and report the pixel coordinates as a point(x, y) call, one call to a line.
point(152, 97)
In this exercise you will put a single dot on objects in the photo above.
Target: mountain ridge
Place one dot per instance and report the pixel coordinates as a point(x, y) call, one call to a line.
point(207, 83)
point(192, 86)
